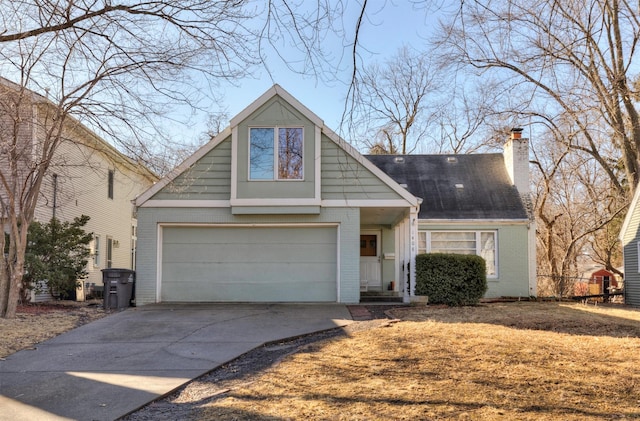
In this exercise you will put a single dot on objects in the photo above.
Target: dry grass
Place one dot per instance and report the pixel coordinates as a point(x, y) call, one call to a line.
point(39, 322)
point(524, 361)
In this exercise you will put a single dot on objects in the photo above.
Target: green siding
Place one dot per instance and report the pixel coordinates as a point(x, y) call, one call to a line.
point(513, 262)
point(276, 112)
point(207, 179)
point(257, 264)
point(345, 178)
point(630, 239)
point(388, 265)
point(348, 220)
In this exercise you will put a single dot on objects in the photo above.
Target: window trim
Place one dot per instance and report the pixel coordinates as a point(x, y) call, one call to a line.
point(110, 182)
point(478, 251)
point(96, 250)
point(108, 256)
point(276, 154)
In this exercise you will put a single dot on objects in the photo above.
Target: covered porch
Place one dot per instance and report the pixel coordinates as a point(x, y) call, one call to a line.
point(388, 238)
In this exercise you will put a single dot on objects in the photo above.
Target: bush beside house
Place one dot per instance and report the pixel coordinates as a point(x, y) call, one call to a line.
point(56, 256)
point(451, 279)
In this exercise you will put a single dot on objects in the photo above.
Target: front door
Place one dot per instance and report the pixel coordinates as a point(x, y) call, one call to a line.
point(370, 277)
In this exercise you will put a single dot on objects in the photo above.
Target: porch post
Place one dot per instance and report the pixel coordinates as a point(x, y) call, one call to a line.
point(413, 236)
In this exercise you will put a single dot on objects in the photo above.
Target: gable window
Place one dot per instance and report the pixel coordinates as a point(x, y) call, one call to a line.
point(110, 185)
point(481, 243)
point(275, 153)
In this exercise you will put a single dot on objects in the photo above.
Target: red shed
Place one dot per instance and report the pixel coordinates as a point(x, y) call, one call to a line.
point(601, 280)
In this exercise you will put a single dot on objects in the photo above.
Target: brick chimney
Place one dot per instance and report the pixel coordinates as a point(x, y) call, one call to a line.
point(516, 159)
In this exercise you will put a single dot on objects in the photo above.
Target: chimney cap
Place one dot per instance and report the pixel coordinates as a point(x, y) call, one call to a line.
point(516, 133)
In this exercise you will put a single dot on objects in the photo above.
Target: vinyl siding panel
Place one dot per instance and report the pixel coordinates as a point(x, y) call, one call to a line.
point(16, 137)
point(513, 257)
point(82, 184)
point(276, 112)
point(208, 179)
point(345, 178)
point(630, 240)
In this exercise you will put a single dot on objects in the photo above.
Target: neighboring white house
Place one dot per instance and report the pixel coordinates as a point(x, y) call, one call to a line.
point(87, 176)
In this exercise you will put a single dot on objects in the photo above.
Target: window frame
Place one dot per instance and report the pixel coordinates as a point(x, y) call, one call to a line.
point(275, 149)
point(424, 237)
point(96, 250)
point(110, 182)
point(108, 257)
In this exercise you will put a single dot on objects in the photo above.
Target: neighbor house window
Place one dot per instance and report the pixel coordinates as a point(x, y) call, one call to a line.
point(481, 243)
point(110, 185)
point(96, 250)
point(109, 257)
point(275, 153)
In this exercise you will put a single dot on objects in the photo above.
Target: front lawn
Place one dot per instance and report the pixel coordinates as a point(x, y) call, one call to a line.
point(524, 361)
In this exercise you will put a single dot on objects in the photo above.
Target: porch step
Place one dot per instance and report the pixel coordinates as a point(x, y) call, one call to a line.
point(380, 297)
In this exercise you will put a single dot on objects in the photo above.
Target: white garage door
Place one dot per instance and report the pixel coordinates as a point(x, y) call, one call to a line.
point(249, 264)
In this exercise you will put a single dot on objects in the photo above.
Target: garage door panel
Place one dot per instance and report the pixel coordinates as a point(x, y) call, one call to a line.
point(234, 292)
point(253, 235)
point(305, 253)
point(269, 273)
point(249, 264)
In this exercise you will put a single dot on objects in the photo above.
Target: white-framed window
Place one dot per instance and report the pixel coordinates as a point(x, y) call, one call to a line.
point(481, 243)
point(96, 250)
point(276, 153)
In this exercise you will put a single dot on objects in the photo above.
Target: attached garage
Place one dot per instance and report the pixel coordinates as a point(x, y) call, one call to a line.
point(293, 263)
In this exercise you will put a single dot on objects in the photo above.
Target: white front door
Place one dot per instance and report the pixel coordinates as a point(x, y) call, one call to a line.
point(370, 276)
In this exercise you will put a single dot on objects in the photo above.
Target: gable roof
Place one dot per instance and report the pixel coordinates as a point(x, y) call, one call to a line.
point(275, 90)
point(474, 186)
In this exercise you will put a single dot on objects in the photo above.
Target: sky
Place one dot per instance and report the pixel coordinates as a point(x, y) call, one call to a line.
point(389, 26)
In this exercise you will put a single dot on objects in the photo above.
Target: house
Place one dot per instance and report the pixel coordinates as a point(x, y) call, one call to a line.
point(630, 239)
point(278, 208)
point(86, 176)
point(471, 205)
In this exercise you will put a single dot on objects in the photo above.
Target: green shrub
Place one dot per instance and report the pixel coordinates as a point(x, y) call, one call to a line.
point(451, 279)
point(57, 253)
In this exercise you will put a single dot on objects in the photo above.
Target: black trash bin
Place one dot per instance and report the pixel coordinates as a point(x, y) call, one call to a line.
point(118, 287)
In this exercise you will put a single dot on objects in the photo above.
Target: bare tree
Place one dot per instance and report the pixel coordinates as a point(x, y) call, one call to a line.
point(569, 69)
point(117, 67)
point(575, 205)
point(391, 101)
point(578, 59)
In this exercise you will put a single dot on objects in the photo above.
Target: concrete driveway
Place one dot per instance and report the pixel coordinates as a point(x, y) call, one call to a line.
point(115, 365)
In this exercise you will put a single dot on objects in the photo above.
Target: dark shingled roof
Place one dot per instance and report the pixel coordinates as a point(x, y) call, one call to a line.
point(475, 186)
